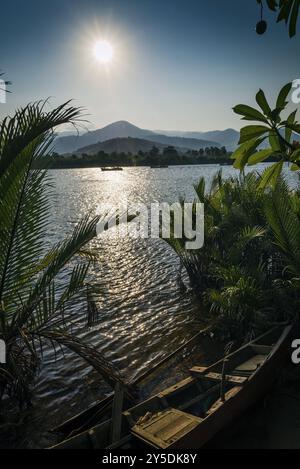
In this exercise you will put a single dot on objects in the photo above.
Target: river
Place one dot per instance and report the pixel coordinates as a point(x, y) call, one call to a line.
point(143, 312)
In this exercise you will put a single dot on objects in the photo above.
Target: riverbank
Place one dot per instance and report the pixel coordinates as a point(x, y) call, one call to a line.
point(62, 163)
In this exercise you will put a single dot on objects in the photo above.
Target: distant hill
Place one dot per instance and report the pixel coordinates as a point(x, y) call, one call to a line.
point(228, 138)
point(183, 142)
point(123, 145)
point(123, 129)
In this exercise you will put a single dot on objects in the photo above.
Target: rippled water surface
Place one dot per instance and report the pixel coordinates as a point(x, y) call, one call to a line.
point(144, 314)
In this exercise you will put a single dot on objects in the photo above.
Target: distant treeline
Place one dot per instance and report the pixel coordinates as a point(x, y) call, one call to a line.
point(169, 156)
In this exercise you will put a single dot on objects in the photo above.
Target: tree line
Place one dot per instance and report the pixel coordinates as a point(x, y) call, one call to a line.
point(168, 156)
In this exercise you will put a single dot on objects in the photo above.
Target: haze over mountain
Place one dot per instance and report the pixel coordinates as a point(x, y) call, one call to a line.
point(228, 138)
point(123, 130)
point(124, 145)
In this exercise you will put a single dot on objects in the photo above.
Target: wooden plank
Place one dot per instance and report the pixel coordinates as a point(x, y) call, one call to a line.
point(262, 349)
point(237, 380)
point(116, 422)
point(177, 387)
point(200, 370)
point(252, 364)
point(167, 427)
point(219, 403)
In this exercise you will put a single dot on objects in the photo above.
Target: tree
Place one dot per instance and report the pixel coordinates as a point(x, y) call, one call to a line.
point(154, 151)
point(273, 128)
point(287, 10)
point(248, 273)
point(34, 305)
point(170, 151)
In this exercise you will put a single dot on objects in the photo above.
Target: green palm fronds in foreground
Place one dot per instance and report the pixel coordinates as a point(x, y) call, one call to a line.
point(32, 307)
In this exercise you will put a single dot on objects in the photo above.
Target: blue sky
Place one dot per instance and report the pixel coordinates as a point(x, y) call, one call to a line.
point(178, 65)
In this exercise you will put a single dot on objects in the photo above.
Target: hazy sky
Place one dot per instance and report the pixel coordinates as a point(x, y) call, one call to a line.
point(178, 65)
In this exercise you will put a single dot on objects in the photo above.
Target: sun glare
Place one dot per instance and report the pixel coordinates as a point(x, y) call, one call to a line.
point(103, 52)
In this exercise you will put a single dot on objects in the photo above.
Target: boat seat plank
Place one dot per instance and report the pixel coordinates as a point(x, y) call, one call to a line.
point(165, 428)
point(262, 349)
point(251, 365)
point(237, 380)
point(199, 370)
point(177, 387)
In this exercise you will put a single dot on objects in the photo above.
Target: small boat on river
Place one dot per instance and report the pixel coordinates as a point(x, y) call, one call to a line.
point(191, 412)
point(114, 168)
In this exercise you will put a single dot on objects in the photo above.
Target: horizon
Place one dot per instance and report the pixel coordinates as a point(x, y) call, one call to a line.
point(152, 130)
point(166, 66)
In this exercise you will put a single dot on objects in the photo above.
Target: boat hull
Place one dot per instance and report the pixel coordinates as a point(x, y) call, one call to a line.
point(255, 389)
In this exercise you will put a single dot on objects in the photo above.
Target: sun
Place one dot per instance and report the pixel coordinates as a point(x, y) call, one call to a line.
point(103, 52)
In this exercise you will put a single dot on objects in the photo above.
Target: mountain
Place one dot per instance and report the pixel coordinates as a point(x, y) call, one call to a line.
point(123, 129)
point(183, 142)
point(228, 138)
point(123, 145)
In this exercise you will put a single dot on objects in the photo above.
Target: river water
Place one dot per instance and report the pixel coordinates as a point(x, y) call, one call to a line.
point(143, 312)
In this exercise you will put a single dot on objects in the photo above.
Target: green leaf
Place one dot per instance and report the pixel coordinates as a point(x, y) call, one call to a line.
point(295, 127)
point(282, 97)
point(260, 156)
point(275, 141)
point(291, 120)
point(252, 131)
point(244, 151)
point(285, 10)
point(272, 4)
point(263, 103)
point(295, 155)
point(249, 113)
point(295, 167)
point(270, 175)
point(294, 18)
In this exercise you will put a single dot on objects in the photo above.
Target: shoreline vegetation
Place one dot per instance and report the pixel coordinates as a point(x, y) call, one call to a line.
point(248, 273)
point(170, 157)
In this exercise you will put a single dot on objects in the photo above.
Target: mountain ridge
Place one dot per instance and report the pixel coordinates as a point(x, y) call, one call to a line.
point(123, 145)
point(124, 129)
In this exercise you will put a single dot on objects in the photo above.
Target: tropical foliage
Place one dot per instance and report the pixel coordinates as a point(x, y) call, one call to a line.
point(35, 303)
point(248, 273)
point(287, 10)
point(271, 129)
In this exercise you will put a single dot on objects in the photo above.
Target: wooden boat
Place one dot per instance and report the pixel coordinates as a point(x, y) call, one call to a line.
point(87, 418)
point(190, 413)
point(114, 168)
point(97, 411)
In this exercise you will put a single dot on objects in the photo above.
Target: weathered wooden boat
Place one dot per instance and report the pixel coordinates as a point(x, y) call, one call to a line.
point(102, 408)
point(114, 168)
point(190, 413)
